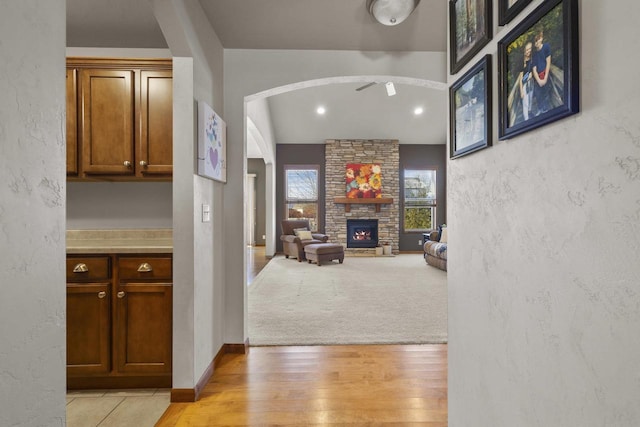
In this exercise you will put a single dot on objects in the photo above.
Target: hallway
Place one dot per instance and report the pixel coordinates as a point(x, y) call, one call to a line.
point(321, 385)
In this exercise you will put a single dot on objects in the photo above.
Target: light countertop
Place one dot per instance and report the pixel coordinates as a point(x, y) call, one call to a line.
point(119, 241)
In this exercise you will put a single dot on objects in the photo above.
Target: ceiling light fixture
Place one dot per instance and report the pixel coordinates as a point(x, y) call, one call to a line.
point(320, 110)
point(391, 12)
point(418, 111)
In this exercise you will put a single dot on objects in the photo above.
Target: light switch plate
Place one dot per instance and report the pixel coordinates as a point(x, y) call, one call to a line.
point(206, 213)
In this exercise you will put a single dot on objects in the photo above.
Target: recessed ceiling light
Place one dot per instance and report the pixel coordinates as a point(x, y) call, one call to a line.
point(320, 110)
point(418, 111)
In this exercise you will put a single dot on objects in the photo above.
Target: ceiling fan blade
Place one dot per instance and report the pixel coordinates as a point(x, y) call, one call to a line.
point(365, 86)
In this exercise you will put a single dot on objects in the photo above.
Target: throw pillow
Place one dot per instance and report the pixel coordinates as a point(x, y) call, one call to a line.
point(443, 236)
point(295, 230)
point(304, 234)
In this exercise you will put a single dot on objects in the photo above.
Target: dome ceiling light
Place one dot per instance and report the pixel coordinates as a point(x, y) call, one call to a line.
point(391, 12)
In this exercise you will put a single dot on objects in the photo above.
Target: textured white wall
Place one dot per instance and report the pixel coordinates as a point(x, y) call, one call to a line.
point(544, 305)
point(209, 251)
point(119, 205)
point(32, 223)
point(258, 112)
point(199, 253)
point(183, 224)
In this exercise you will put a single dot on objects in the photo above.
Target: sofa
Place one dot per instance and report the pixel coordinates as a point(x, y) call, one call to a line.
point(296, 235)
point(435, 249)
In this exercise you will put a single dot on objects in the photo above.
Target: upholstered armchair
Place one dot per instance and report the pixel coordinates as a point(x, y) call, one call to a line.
point(293, 244)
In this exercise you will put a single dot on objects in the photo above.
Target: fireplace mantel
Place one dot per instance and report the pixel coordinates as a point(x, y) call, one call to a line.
point(348, 202)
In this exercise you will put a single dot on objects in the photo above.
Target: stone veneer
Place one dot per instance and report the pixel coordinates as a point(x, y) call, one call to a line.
point(386, 153)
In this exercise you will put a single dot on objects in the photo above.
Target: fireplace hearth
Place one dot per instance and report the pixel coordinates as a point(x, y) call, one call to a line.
point(362, 233)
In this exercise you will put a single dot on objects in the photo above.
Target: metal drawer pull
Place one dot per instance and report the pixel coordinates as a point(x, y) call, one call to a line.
point(127, 163)
point(81, 268)
point(145, 267)
point(121, 294)
point(102, 294)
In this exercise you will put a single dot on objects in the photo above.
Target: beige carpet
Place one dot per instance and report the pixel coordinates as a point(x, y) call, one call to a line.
point(365, 300)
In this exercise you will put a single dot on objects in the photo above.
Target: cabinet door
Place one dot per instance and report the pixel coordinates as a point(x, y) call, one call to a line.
point(155, 153)
point(107, 121)
point(88, 328)
point(72, 123)
point(143, 328)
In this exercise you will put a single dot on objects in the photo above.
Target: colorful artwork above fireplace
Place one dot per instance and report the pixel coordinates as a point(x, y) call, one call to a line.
point(364, 181)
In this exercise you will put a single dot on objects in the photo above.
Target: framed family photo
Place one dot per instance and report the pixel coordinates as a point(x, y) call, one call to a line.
point(508, 9)
point(470, 110)
point(469, 30)
point(538, 69)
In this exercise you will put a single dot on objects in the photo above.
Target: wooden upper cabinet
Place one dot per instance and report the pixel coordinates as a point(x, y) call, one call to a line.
point(107, 121)
point(155, 147)
point(72, 121)
point(119, 119)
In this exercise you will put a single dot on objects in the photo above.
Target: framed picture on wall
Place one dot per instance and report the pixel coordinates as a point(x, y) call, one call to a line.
point(538, 69)
point(509, 9)
point(469, 30)
point(470, 110)
point(212, 144)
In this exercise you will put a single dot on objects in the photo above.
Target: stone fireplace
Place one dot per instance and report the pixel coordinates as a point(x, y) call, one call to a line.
point(338, 154)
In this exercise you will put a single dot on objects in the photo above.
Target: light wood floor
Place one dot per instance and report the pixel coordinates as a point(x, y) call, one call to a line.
point(323, 385)
point(256, 260)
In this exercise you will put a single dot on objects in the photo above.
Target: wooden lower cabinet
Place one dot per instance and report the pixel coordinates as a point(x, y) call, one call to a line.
point(88, 328)
point(119, 329)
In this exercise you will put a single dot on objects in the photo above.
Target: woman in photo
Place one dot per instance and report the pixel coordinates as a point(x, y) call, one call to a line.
point(541, 68)
point(524, 80)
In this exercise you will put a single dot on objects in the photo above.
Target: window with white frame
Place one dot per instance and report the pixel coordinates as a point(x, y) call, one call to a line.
point(301, 194)
point(420, 200)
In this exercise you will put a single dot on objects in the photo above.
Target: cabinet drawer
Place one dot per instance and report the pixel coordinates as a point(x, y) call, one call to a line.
point(140, 268)
point(86, 269)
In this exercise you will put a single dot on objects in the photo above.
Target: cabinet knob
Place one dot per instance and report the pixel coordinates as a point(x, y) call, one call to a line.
point(120, 294)
point(143, 163)
point(102, 294)
point(127, 163)
point(80, 268)
point(145, 267)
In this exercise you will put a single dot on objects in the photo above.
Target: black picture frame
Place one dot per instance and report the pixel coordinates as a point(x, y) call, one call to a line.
point(470, 29)
point(507, 12)
point(470, 109)
point(548, 35)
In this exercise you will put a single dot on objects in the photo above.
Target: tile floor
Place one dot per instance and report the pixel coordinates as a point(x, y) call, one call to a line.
point(121, 408)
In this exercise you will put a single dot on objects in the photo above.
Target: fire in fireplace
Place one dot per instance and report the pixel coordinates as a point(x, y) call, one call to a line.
point(362, 233)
